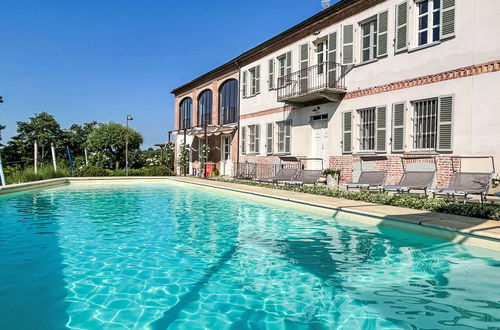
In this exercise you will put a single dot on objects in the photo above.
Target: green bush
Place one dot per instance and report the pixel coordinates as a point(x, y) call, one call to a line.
point(91, 170)
point(17, 175)
point(484, 211)
point(159, 170)
point(131, 172)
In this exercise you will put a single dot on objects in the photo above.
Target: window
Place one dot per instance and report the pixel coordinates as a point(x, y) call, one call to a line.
point(319, 117)
point(270, 139)
point(367, 129)
point(369, 40)
point(254, 137)
point(284, 68)
point(186, 113)
point(429, 16)
point(254, 80)
point(228, 102)
point(284, 137)
point(205, 108)
point(425, 124)
point(322, 55)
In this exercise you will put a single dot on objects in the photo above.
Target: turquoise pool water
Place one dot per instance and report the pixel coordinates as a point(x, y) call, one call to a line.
point(161, 256)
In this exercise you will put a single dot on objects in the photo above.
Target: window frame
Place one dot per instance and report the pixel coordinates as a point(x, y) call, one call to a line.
point(367, 129)
point(323, 54)
point(372, 39)
point(432, 23)
point(186, 105)
point(425, 125)
point(282, 136)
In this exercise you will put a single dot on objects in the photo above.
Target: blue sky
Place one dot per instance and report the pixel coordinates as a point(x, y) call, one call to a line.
point(85, 60)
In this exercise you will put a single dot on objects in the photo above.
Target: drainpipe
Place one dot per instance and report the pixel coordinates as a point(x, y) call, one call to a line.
point(239, 114)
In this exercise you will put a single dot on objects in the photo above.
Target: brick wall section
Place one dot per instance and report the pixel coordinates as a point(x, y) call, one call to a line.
point(394, 167)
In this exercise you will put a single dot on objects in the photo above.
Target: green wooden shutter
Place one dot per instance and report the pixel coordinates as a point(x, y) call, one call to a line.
point(348, 44)
point(243, 140)
point(398, 127)
point(270, 139)
point(447, 18)
point(244, 85)
point(401, 27)
point(257, 79)
point(381, 124)
point(271, 74)
point(257, 138)
point(382, 30)
point(347, 132)
point(445, 123)
point(289, 62)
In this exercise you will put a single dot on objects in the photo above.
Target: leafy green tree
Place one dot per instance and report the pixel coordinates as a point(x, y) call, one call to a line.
point(2, 127)
point(76, 136)
point(110, 140)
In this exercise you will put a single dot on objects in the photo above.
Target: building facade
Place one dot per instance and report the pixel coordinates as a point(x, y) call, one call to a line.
point(366, 83)
point(373, 81)
point(207, 114)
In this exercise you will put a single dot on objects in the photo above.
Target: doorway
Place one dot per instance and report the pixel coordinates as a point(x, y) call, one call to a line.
point(319, 135)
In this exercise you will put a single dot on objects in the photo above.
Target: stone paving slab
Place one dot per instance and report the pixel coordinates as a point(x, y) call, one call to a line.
point(480, 228)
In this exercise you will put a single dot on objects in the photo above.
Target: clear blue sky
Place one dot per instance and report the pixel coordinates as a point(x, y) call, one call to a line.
point(84, 60)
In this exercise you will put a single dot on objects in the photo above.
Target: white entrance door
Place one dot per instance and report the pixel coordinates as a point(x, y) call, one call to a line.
point(226, 164)
point(319, 144)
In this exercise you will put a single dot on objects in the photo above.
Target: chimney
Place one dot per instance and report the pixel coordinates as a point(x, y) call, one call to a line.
point(325, 3)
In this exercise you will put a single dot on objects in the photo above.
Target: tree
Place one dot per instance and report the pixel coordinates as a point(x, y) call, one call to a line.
point(2, 127)
point(76, 136)
point(110, 140)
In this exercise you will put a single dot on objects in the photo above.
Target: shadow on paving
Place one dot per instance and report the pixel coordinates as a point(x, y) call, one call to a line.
point(194, 294)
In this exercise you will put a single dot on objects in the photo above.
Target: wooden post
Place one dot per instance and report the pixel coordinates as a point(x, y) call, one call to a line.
point(54, 162)
point(36, 157)
point(2, 176)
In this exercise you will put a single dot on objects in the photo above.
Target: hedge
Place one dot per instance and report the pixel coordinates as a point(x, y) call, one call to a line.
point(449, 206)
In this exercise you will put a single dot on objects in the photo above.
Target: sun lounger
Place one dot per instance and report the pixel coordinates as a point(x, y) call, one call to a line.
point(464, 184)
point(304, 177)
point(412, 180)
point(368, 179)
point(284, 174)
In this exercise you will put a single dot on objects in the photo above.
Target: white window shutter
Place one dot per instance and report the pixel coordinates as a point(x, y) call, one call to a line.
point(445, 124)
point(398, 127)
point(270, 139)
point(257, 79)
point(401, 27)
point(347, 132)
point(244, 85)
point(304, 56)
point(257, 138)
point(348, 44)
point(271, 74)
point(381, 128)
point(288, 62)
point(382, 31)
point(447, 18)
point(243, 140)
point(332, 47)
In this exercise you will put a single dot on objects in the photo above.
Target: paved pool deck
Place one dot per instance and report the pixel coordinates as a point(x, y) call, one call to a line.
point(460, 229)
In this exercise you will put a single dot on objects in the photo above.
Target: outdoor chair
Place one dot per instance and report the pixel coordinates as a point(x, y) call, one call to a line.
point(466, 183)
point(304, 177)
point(284, 174)
point(412, 180)
point(368, 179)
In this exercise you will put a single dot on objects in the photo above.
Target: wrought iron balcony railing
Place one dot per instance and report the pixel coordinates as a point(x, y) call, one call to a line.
point(323, 77)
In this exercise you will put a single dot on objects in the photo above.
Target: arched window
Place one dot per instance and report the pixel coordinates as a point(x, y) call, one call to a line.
point(186, 113)
point(229, 102)
point(205, 108)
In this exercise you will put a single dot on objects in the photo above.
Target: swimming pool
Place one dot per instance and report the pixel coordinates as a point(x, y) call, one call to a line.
point(157, 255)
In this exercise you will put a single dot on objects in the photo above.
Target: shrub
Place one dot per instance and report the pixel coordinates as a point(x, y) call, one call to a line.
point(331, 172)
point(160, 170)
point(484, 211)
point(17, 175)
point(91, 170)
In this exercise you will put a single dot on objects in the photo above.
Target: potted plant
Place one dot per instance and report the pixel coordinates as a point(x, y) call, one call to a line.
point(332, 177)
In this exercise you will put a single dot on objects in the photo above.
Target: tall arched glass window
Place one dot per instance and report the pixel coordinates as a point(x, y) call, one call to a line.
point(229, 102)
point(205, 108)
point(186, 113)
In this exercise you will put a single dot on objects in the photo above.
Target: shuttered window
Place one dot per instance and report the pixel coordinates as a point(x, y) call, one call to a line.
point(445, 123)
point(347, 132)
point(254, 80)
point(271, 78)
point(382, 31)
point(402, 27)
point(425, 120)
point(381, 135)
point(284, 136)
point(398, 127)
point(254, 138)
point(428, 21)
point(288, 62)
point(348, 44)
point(322, 55)
point(332, 47)
point(269, 138)
point(367, 129)
point(243, 140)
point(447, 18)
point(284, 68)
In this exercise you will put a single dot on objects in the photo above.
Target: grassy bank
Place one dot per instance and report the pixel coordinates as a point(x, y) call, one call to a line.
point(29, 175)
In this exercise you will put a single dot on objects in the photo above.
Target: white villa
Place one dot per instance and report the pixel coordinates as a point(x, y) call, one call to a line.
point(359, 85)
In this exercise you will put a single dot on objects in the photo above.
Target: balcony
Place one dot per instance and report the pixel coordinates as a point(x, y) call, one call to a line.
point(321, 81)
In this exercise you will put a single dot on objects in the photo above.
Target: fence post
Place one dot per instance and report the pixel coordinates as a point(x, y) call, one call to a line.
point(2, 176)
point(70, 160)
point(36, 157)
point(54, 162)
